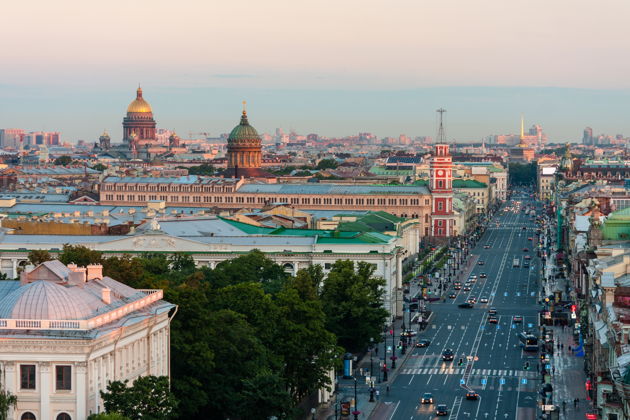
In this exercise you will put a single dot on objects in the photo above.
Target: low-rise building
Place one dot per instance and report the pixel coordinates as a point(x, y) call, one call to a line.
point(66, 331)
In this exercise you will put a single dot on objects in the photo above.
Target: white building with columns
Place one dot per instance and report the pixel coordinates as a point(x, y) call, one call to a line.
point(66, 331)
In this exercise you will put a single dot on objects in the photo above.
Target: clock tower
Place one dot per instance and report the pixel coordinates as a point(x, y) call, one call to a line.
point(441, 186)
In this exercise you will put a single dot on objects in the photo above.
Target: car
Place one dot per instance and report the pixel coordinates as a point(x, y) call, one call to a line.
point(409, 333)
point(481, 262)
point(466, 305)
point(405, 291)
point(486, 246)
point(452, 296)
point(492, 311)
point(472, 395)
point(441, 410)
point(530, 239)
point(457, 287)
point(483, 276)
point(427, 398)
point(483, 299)
point(458, 283)
point(527, 257)
point(423, 342)
point(468, 283)
point(493, 319)
point(472, 300)
point(517, 319)
point(466, 288)
point(525, 249)
point(524, 228)
point(448, 355)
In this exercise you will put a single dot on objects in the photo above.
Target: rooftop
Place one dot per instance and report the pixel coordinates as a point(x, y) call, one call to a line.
point(333, 189)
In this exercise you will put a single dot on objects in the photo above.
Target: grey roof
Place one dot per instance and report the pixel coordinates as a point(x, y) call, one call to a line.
point(190, 179)
point(43, 300)
point(333, 189)
point(36, 196)
point(58, 170)
point(206, 226)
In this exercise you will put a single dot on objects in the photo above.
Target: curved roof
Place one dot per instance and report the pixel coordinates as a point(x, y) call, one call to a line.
point(243, 131)
point(139, 105)
point(43, 300)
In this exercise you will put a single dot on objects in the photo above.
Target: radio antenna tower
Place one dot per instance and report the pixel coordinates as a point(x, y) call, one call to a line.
point(441, 138)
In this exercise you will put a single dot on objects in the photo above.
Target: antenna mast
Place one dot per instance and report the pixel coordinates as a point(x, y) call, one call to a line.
point(441, 138)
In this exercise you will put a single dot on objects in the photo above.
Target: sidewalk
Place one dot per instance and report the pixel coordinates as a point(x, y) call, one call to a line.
point(569, 379)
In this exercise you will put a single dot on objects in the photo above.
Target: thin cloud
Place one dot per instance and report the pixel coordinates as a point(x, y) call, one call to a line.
point(233, 76)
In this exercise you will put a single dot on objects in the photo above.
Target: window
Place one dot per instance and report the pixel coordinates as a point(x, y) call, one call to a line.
point(64, 416)
point(63, 377)
point(440, 183)
point(28, 416)
point(27, 376)
point(440, 206)
point(327, 266)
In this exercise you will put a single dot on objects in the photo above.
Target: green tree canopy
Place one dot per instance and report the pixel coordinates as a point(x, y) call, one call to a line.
point(107, 416)
point(99, 167)
point(353, 303)
point(205, 169)
point(63, 160)
point(38, 256)
point(522, 173)
point(252, 267)
point(327, 164)
point(149, 397)
point(80, 255)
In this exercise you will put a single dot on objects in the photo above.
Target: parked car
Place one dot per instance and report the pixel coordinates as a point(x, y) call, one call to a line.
point(423, 342)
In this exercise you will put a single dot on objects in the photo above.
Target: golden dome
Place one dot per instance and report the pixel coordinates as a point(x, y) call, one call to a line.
point(139, 105)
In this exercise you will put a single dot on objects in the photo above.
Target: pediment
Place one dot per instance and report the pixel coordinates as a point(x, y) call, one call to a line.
point(152, 243)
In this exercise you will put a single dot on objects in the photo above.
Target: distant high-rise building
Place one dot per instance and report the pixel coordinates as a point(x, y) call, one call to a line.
point(11, 137)
point(587, 138)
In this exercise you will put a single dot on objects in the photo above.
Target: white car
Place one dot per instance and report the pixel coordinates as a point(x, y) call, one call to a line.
point(483, 300)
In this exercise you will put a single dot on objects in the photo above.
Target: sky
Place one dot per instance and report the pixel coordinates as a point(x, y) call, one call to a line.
point(332, 67)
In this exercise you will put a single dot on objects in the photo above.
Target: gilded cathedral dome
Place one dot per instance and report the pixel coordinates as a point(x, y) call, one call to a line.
point(139, 105)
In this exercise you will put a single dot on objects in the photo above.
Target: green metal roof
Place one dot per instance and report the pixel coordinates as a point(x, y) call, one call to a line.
point(468, 183)
point(617, 225)
point(243, 131)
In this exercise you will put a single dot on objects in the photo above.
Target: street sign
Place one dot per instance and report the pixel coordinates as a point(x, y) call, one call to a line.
point(502, 381)
point(524, 381)
point(505, 294)
point(389, 349)
point(461, 381)
point(513, 326)
point(518, 293)
point(498, 327)
point(530, 325)
point(532, 294)
point(484, 381)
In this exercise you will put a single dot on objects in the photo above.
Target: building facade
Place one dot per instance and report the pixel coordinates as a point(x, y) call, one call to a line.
point(67, 331)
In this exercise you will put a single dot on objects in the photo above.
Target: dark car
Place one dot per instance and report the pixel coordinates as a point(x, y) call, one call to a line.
point(472, 395)
point(483, 276)
point(525, 249)
point(517, 319)
point(527, 257)
point(448, 355)
point(466, 288)
point(486, 246)
point(466, 305)
point(481, 262)
point(452, 296)
point(492, 311)
point(493, 319)
point(457, 287)
point(423, 343)
point(427, 398)
point(441, 410)
point(524, 228)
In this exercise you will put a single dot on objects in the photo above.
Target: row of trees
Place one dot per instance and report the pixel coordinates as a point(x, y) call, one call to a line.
point(250, 341)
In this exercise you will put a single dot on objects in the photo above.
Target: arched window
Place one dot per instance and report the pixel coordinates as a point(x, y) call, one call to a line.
point(28, 416)
point(64, 416)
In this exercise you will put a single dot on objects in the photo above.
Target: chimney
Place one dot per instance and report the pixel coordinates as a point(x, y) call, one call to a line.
point(94, 272)
point(106, 295)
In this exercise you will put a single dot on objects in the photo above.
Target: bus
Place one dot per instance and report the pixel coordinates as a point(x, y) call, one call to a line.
point(529, 342)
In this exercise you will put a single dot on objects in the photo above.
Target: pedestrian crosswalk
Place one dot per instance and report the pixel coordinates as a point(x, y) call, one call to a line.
point(474, 372)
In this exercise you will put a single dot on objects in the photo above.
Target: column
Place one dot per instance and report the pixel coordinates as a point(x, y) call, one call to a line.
point(46, 386)
point(14, 264)
point(81, 389)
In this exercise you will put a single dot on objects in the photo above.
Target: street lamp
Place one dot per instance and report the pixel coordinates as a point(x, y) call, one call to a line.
point(356, 411)
point(371, 363)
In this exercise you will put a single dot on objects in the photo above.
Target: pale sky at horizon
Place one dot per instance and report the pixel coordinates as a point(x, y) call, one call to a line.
point(332, 67)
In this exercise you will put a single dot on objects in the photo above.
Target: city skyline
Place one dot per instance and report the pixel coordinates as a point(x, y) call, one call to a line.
point(331, 68)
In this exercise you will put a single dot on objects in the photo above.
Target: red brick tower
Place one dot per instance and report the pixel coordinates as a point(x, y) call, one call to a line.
point(441, 186)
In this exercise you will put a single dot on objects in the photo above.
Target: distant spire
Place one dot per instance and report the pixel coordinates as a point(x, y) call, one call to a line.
point(139, 92)
point(522, 127)
point(441, 138)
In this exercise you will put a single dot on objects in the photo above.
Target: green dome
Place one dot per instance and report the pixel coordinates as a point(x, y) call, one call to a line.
point(243, 131)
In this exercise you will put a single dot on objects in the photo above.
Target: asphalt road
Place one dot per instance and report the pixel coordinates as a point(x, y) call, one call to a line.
point(493, 361)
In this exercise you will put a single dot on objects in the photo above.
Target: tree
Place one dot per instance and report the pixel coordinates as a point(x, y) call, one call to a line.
point(80, 255)
point(126, 269)
point(308, 349)
point(182, 262)
point(205, 169)
point(265, 396)
point(99, 167)
point(252, 267)
point(38, 256)
point(522, 173)
point(149, 397)
point(327, 164)
point(63, 160)
point(353, 303)
point(7, 402)
point(107, 416)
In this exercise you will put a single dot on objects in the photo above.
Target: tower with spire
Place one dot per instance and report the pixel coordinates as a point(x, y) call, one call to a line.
point(441, 186)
